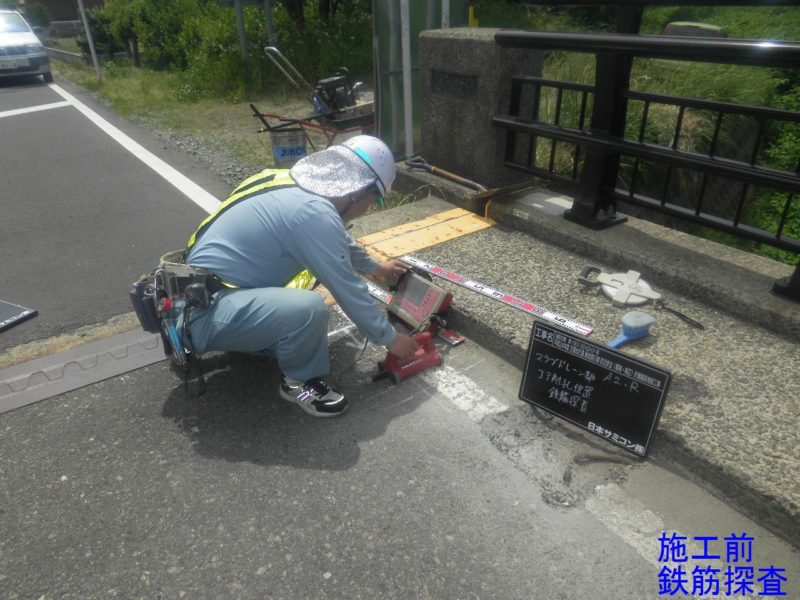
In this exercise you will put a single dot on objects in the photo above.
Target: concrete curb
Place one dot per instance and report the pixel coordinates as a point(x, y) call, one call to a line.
point(731, 280)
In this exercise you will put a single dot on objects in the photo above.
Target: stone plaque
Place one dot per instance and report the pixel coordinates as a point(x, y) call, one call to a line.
point(453, 85)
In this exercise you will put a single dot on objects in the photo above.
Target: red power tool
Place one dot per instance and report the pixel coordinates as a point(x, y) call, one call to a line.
point(426, 356)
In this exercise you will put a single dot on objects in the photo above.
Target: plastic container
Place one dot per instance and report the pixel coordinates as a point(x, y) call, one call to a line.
point(288, 146)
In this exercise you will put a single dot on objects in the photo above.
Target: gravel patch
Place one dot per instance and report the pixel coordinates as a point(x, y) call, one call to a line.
point(216, 157)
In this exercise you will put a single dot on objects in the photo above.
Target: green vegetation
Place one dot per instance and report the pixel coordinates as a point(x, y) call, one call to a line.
point(759, 23)
point(184, 71)
point(740, 85)
point(198, 40)
point(36, 14)
point(152, 97)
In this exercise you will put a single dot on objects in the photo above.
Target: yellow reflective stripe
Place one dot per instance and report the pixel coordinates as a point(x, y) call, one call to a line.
point(263, 177)
point(303, 280)
point(230, 286)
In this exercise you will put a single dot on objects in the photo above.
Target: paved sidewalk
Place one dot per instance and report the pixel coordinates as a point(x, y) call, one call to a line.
point(731, 417)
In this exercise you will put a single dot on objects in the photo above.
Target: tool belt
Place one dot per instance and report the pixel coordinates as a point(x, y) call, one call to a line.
point(154, 294)
point(176, 275)
point(162, 296)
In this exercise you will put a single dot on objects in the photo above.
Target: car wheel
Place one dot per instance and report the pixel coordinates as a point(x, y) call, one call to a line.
point(48, 77)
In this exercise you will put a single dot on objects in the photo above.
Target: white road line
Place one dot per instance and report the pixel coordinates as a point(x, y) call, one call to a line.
point(184, 185)
point(341, 332)
point(30, 109)
point(464, 393)
point(640, 528)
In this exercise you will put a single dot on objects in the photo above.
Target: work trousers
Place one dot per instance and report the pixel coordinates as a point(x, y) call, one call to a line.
point(288, 324)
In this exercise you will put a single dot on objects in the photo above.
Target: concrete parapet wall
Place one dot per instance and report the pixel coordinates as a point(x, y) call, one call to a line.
point(465, 79)
point(66, 57)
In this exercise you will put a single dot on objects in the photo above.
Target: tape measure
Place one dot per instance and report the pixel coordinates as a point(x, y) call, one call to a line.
point(490, 292)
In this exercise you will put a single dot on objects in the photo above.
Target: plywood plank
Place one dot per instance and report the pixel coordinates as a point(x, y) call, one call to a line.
point(386, 234)
point(428, 236)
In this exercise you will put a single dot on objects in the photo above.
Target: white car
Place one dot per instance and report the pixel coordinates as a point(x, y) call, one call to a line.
point(21, 52)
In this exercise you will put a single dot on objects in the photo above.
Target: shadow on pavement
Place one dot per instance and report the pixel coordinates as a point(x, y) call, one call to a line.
point(241, 418)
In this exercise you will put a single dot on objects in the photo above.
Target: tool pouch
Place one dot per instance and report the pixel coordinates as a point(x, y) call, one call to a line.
point(167, 282)
point(143, 298)
point(158, 300)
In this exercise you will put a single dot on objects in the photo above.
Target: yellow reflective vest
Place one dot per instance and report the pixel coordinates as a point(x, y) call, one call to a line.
point(268, 179)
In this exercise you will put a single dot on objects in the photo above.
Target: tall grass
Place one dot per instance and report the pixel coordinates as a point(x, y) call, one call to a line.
point(752, 22)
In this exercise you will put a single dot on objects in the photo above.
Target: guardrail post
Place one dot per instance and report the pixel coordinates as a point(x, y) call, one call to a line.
point(591, 208)
point(612, 74)
point(789, 287)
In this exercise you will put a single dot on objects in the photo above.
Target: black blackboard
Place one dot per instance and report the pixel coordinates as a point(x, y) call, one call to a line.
point(607, 392)
point(13, 314)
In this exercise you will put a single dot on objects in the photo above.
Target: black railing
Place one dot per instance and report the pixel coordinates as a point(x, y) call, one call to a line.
point(599, 156)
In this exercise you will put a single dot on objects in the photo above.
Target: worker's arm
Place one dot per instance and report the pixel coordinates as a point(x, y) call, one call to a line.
point(362, 261)
point(404, 346)
point(324, 249)
point(390, 268)
point(366, 264)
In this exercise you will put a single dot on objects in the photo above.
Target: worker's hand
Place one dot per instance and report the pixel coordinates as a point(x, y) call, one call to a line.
point(403, 347)
point(390, 268)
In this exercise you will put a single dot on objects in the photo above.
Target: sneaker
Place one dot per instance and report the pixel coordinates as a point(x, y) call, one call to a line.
point(315, 397)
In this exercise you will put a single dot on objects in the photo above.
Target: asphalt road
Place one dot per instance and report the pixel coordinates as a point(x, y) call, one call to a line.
point(82, 215)
point(445, 486)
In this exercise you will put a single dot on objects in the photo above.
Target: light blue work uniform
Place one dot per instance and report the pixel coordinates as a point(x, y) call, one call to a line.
point(258, 245)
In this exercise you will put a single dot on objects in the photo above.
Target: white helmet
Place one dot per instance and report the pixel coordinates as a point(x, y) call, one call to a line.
point(377, 156)
point(348, 168)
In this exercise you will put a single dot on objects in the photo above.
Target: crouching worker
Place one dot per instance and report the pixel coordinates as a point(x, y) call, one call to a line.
point(274, 225)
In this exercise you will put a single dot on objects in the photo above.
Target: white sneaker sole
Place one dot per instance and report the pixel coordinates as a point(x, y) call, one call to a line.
point(308, 408)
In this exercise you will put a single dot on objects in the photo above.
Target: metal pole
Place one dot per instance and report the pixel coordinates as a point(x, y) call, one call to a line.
point(392, 74)
point(240, 27)
point(89, 38)
point(405, 28)
point(789, 287)
point(445, 14)
point(270, 26)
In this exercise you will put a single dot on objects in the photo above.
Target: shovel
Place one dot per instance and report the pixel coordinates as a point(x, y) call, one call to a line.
point(421, 163)
point(483, 195)
point(487, 195)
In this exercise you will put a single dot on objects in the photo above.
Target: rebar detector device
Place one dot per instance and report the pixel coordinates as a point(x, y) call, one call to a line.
point(418, 304)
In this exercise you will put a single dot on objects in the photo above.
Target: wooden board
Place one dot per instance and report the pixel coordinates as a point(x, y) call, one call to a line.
point(422, 234)
point(386, 234)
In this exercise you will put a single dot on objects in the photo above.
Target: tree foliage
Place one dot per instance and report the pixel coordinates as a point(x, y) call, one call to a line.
point(200, 39)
